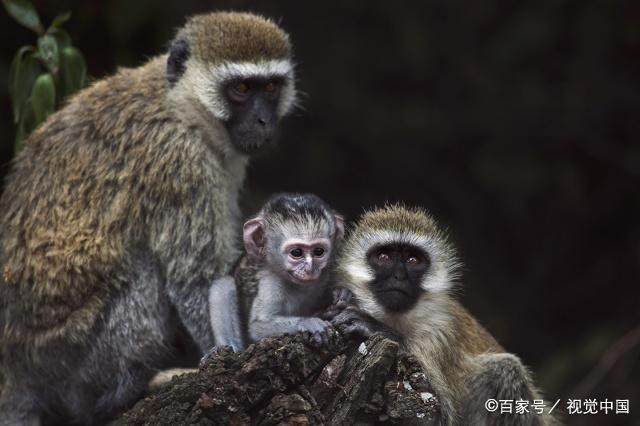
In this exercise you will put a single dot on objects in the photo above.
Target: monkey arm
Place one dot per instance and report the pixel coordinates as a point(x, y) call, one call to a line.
point(265, 323)
point(500, 376)
point(268, 318)
point(224, 314)
point(192, 240)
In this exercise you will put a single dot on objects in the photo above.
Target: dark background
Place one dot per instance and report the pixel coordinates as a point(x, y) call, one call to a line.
point(515, 123)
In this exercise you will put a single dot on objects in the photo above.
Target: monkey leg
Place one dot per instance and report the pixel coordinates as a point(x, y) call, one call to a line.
point(135, 342)
point(104, 375)
point(224, 314)
point(18, 406)
point(501, 377)
point(191, 302)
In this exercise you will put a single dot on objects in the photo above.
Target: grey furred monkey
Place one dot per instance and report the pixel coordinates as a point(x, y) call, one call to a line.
point(120, 211)
point(282, 283)
point(400, 269)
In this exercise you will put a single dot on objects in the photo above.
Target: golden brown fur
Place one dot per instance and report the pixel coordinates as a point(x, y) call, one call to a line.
point(117, 214)
point(458, 355)
point(236, 37)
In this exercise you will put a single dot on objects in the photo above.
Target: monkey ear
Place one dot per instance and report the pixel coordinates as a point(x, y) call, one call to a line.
point(339, 226)
point(254, 238)
point(176, 63)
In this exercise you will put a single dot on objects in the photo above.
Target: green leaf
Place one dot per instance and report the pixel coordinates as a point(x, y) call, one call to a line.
point(48, 52)
point(24, 71)
point(73, 70)
point(24, 12)
point(26, 125)
point(62, 37)
point(60, 19)
point(43, 97)
point(13, 73)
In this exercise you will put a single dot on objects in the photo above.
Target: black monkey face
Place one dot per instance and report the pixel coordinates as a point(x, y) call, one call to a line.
point(254, 112)
point(399, 269)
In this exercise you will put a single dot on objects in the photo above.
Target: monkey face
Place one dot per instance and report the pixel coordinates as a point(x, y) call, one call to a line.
point(398, 269)
point(254, 112)
point(304, 260)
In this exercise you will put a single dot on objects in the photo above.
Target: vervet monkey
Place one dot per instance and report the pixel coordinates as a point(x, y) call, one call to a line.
point(120, 211)
point(282, 282)
point(401, 270)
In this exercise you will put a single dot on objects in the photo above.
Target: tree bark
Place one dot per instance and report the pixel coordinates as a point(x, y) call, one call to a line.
point(292, 380)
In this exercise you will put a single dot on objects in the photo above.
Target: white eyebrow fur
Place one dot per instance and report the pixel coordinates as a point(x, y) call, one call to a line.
point(211, 80)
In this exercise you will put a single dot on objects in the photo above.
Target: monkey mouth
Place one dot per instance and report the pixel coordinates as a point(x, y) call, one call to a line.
point(303, 278)
point(395, 291)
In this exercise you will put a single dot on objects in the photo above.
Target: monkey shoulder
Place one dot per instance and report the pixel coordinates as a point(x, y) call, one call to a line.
point(474, 337)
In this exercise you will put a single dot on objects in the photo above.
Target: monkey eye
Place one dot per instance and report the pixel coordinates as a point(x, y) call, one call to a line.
point(239, 92)
point(383, 257)
point(296, 253)
point(413, 260)
point(318, 252)
point(241, 87)
point(271, 87)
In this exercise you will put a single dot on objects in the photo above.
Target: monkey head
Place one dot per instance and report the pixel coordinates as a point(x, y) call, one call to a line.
point(295, 237)
point(239, 67)
point(393, 258)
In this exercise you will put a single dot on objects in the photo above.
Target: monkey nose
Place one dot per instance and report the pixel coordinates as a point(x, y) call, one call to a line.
point(262, 121)
point(308, 265)
point(400, 275)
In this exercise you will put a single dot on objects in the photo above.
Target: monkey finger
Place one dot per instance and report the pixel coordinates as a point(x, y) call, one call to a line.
point(335, 294)
point(357, 328)
point(330, 334)
point(345, 299)
point(330, 313)
point(317, 337)
point(345, 317)
point(342, 296)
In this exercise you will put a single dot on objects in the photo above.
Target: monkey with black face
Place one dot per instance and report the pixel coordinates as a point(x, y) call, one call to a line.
point(120, 211)
point(400, 269)
point(282, 282)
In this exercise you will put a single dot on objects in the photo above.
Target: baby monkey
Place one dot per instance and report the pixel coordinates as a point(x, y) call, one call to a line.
point(281, 285)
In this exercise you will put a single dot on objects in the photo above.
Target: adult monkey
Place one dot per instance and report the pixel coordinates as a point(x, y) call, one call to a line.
point(122, 209)
point(401, 270)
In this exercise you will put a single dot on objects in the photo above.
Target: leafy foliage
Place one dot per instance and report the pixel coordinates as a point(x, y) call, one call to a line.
point(41, 76)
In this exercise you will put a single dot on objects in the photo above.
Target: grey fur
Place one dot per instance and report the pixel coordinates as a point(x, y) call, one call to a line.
point(224, 314)
point(117, 215)
point(280, 307)
point(260, 300)
point(256, 304)
point(465, 365)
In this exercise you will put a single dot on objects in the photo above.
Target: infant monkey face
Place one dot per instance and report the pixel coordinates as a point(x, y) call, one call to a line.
point(306, 259)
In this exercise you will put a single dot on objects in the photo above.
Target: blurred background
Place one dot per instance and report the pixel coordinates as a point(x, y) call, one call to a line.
point(515, 123)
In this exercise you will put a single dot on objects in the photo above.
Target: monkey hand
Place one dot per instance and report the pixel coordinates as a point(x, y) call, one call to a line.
point(317, 329)
point(215, 351)
point(341, 299)
point(351, 321)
